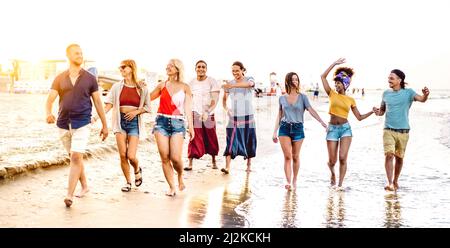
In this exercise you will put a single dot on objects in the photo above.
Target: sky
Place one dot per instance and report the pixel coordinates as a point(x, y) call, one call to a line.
point(267, 36)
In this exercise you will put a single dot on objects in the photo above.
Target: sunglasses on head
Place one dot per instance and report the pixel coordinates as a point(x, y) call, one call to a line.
point(123, 67)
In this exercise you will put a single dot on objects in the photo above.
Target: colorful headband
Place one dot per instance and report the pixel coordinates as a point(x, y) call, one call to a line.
point(344, 79)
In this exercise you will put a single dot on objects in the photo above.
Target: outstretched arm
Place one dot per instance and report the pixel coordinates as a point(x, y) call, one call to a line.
point(380, 111)
point(359, 116)
point(424, 97)
point(156, 92)
point(249, 84)
point(108, 107)
point(316, 116)
point(325, 83)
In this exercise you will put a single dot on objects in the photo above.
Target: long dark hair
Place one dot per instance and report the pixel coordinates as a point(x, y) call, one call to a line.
point(289, 85)
point(241, 66)
point(401, 75)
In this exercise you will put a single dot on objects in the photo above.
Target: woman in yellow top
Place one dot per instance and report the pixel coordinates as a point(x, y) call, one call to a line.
point(339, 133)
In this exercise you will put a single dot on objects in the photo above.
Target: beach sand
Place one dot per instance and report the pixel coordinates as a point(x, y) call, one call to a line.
point(256, 199)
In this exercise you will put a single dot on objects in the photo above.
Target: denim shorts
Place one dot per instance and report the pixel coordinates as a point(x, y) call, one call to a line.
point(131, 128)
point(292, 130)
point(169, 126)
point(336, 132)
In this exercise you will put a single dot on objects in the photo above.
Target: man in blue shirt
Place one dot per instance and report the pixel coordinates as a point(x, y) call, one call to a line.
point(396, 103)
point(75, 87)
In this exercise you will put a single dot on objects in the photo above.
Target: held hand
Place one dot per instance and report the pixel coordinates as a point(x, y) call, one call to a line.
point(230, 113)
point(191, 134)
point(104, 133)
point(130, 115)
point(204, 117)
point(376, 111)
point(425, 91)
point(275, 138)
point(227, 86)
point(142, 84)
point(340, 61)
point(51, 119)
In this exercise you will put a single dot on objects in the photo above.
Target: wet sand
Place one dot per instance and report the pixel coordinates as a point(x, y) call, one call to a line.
point(256, 199)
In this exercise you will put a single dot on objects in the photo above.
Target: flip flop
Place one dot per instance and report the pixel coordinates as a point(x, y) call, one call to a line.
point(224, 171)
point(187, 168)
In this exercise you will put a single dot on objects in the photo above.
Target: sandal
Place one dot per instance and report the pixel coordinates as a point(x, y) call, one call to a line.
point(126, 188)
point(225, 171)
point(138, 182)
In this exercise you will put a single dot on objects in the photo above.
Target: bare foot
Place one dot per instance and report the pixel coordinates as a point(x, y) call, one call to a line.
point(294, 186)
point(171, 192)
point(214, 165)
point(333, 179)
point(82, 193)
point(389, 187)
point(181, 185)
point(68, 202)
point(287, 186)
point(396, 186)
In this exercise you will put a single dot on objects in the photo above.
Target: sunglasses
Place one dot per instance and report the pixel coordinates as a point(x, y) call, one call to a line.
point(201, 66)
point(122, 67)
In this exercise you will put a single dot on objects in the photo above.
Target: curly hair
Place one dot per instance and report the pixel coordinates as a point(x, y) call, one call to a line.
point(349, 71)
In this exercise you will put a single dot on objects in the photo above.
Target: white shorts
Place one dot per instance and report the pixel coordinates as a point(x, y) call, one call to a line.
point(75, 140)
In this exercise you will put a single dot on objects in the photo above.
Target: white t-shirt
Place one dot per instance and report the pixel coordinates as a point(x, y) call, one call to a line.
point(278, 91)
point(201, 93)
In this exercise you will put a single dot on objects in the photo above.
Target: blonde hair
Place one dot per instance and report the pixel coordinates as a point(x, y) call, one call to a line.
point(180, 67)
point(132, 64)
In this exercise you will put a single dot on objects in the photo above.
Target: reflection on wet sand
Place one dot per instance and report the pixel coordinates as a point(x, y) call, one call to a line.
point(393, 211)
point(335, 209)
point(289, 212)
point(218, 207)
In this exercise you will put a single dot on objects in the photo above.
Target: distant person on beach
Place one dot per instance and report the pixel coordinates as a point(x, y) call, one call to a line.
point(175, 106)
point(205, 95)
point(396, 103)
point(75, 88)
point(316, 92)
point(278, 90)
point(339, 133)
point(289, 126)
point(363, 93)
point(241, 132)
point(128, 100)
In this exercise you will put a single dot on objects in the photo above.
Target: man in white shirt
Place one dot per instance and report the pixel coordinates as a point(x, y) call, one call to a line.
point(205, 95)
